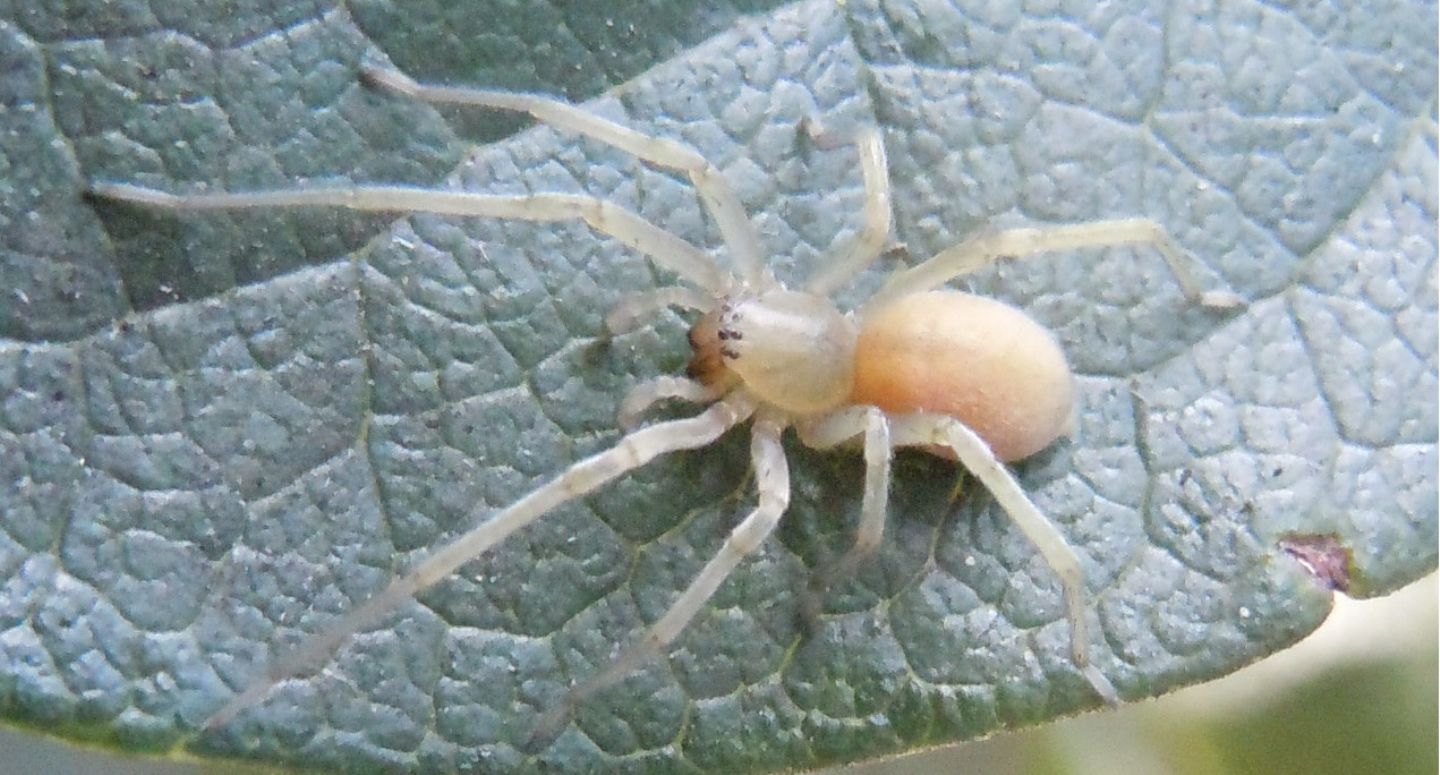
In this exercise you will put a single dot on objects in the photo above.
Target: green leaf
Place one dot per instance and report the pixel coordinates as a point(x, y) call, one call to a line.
point(220, 431)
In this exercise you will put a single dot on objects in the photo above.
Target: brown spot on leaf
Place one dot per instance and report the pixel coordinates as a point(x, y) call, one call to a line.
point(1323, 556)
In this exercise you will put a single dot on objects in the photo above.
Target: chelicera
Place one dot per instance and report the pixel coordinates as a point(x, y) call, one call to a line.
point(915, 365)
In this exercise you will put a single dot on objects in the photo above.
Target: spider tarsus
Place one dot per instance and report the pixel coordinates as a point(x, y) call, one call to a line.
point(1221, 301)
point(549, 726)
point(386, 79)
point(812, 599)
point(812, 609)
point(1101, 685)
point(102, 191)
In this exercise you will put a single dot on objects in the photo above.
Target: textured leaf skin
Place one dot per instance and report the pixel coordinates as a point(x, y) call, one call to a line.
point(218, 432)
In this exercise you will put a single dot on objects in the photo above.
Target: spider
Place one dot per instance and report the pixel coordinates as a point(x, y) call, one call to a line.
point(915, 365)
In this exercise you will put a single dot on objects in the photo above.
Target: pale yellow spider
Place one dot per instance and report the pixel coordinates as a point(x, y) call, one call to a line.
point(955, 374)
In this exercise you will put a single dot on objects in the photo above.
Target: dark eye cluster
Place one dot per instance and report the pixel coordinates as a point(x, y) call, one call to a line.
point(729, 320)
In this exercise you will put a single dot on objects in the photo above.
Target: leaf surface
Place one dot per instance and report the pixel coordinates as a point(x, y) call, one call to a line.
point(220, 431)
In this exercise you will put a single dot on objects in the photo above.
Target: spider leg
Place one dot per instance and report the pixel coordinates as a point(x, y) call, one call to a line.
point(986, 247)
point(772, 475)
point(627, 313)
point(629, 453)
point(833, 430)
point(975, 455)
point(665, 249)
point(869, 244)
point(719, 197)
point(648, 393)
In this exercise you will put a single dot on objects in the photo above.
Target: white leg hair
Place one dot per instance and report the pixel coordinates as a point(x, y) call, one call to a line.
point(975, 455)
point(835, 429)
point(714, 191)
point(665, 249)
point(663, 388)
point(988, 246)
point(629, 453)
point(630, 311)
point(869, 244)
point(772, 483)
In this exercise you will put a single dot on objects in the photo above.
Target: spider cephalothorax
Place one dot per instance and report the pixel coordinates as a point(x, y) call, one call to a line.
point(948, 372)
point(792, 349)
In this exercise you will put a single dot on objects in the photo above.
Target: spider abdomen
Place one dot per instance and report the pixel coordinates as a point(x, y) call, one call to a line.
point(976, 359)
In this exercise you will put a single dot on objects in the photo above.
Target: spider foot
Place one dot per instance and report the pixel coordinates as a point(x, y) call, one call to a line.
point(1221, 301)
point(548, 727)
point(812, 599)
point(386, 79)
point(812, 607)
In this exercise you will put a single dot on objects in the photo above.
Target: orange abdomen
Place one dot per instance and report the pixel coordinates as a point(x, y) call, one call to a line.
point(979, 360)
